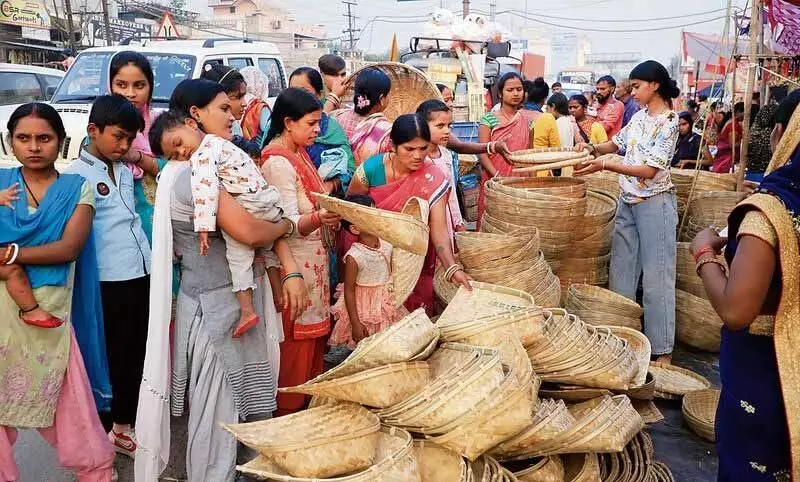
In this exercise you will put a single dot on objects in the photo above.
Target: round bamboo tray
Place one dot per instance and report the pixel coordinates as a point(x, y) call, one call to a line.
point(439, 463)
point(673, 382)
point(410, 88)
point(394, 461)
point(581, 468)
point(553, 186)
point(697, 323)
point(485, 299)
point(397, 343)
point(326, 441)
point(700, 410)
point(543, 469)
point(377, 387)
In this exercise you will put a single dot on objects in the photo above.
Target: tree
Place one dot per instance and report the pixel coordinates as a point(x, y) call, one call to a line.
point(177, 4)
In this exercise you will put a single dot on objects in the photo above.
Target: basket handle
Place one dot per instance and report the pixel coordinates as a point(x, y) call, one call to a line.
point(552, 165)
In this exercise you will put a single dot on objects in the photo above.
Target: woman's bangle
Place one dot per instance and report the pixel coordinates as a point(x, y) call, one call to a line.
point(289, 276)
point(702, 251)
point(452, 270)
point(711, 261)
point(6, 256)
point(292, 228)
point(13, 256)
point(603, 165)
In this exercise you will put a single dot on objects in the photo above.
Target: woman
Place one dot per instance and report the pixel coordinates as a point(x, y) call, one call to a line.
point(286, 165)
point(366, 126)
point(536, 91)
point(688, 148)
point(228, 380)
point(256, 114)
point(558, 106)
point(589, 130)
point(331, 148)
point(447, 94)
point(131, 76)
point(729, 141)
point(236, 89)
point(511, 125)
point(647, 213)
point(43, 380)
point(757, 299)
point(392, 179)
point(760, 152)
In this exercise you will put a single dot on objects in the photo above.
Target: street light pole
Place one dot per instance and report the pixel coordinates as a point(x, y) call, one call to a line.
point(70, 26)
point(107, 22)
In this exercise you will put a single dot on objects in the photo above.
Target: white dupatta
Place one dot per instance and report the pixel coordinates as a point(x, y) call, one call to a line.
point(153, 412)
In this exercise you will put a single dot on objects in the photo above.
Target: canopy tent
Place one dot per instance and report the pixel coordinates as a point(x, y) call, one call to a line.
point(784, 20)
point(714, 90)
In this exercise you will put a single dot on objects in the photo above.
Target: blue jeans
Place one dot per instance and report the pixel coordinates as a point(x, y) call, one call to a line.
point(644, 243)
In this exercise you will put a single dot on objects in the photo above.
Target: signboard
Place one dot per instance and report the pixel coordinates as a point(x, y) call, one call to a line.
point(167, 27)
point(120, 29)
point(36, 33)
point(24, 14)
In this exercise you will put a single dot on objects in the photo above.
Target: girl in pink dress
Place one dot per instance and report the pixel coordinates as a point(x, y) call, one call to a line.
point(365, 304)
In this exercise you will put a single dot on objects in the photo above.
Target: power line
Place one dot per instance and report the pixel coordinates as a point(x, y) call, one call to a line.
point(609, 20)
point(587, 29)
point(351, 23)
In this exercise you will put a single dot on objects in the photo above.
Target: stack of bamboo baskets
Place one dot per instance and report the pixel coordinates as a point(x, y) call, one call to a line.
point(515, 261)
point(697, 323)
point(704, 181)
point(709, 209)
point(599, 306)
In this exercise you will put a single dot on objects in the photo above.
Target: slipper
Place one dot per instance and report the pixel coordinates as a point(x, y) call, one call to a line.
point(52, 322)
point(241, 329)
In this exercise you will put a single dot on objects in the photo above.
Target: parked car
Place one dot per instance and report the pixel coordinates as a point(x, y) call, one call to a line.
point(26, 83)
point(172, 62)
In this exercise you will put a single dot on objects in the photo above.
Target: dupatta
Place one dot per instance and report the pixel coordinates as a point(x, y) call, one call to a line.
point(516, 133)
point(371, 137)
point(254, 123)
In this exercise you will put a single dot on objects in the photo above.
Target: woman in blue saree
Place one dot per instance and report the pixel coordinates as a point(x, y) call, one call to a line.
point(758, 300)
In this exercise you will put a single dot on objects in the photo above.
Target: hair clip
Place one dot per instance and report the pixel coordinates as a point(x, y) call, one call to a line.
point(362, 102)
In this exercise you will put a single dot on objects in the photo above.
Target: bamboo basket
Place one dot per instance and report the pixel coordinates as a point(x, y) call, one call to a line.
point(326, 441)
point(524, 323)
point(466, 164)
point(550, 418)
point(581, 468)
point(696, 322)
point(477, 250)
point(599, 318)
point(377, 387)
point(572, 393)
point(648, 411)
point(596, 298)
point(500, 415)
point(661, 473)
point(407, 265)
point(395, 462)
point(397, 343)
point(427, 351)
point(604, 181)
point(611, 435)
point(444, 290)
point(709, 208)
point(553, 186)
point(699, 410)
point(645, 391)
point(437, 463)
point(640, 345)
point(484, 300)
point(673, 382)
point(410, 88)
point(600, 209)
point(544, 469)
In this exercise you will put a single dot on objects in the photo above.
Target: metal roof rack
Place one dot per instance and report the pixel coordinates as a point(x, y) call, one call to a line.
point(128, 40)
point(209, 43)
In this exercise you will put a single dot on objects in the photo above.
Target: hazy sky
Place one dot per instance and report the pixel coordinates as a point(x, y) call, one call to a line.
point(597, 14)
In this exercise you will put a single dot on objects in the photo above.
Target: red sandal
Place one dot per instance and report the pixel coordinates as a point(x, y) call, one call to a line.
point(52, 322)
point(242, 329)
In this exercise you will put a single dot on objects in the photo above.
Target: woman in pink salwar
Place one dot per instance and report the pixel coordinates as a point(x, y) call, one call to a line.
point(366, 126)
point(392, 179)
point(43, 379)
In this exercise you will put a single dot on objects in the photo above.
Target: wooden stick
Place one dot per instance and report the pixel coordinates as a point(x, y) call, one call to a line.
point(554, 165)
point(755, 27)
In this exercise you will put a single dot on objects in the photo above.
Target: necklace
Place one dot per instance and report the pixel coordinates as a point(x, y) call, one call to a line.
point(28, 188)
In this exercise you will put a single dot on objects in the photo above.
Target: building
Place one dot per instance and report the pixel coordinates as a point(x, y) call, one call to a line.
point(615, 64)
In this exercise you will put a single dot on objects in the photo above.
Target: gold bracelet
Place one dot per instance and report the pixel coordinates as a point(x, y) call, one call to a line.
point(711, 261)
point(452, 270)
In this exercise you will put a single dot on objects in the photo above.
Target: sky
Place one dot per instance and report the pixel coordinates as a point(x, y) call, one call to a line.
point(404, 18)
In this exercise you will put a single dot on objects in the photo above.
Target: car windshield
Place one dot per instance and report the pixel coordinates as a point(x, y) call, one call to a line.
point(88, 77)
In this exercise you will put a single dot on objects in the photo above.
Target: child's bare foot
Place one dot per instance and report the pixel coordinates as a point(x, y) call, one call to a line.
point(38, 317)
point(665, 359)
point(246, 321)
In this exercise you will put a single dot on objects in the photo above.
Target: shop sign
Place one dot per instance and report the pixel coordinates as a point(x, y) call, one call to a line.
point(24, 14)
point(36, 33)
point(120, 29)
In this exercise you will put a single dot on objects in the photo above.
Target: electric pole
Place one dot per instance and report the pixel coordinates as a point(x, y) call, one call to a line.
point(492, 10)
point(351, 23)
point(71, 27)
point(107, 22)
point(465, 8)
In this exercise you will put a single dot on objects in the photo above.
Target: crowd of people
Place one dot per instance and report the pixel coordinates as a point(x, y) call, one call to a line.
point(126, 299)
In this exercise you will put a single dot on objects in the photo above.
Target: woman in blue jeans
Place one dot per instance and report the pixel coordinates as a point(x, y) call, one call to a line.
point(647, 216)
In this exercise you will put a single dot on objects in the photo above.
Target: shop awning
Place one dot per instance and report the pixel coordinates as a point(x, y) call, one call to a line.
point(32, 46)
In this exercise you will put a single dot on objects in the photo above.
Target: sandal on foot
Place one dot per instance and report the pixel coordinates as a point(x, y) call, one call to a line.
point(241, 329)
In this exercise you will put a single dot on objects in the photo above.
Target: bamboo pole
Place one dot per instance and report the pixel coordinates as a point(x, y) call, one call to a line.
point(755, 32)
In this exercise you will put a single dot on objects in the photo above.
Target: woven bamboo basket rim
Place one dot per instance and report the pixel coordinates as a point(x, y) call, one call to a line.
point(640, 344)
point(401, 230)
point(549, 416)
point(552, 186)
point(598, 318)
point(648, 411)
point(491, 254)
point(600, 208)
point(573, 393)
point(520, 256)
point(608, 357)
point(362, 386)
point(570, 263)
point(699, 408)
point(410, 87)
point(498, 273)
point(614, 373)
point(531, 197)
point(581, 468)
point(387, 455)
point(558, 343)
point(576, 360)
point(697, 323)
point(519, 322)
point(644, 391)
point(422, 444)
point(473, 243)
point(504, 227)
point(416, 320)
point(660, 472)
point(532, 209)
point(551, 465)
point(674, 380)
point(498, 298)
point(542, 155)
point(283, 434)
point(427, 351)
point(619, 304)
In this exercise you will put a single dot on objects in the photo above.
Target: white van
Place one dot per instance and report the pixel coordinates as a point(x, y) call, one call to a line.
point(172, 62)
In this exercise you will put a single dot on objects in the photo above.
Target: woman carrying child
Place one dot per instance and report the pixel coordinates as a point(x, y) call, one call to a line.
point(44, 227)
point(365, 305)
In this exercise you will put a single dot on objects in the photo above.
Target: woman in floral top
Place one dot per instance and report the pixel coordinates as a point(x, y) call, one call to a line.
point(647, 216)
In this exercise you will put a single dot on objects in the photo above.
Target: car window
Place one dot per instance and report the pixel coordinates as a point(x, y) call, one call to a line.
point(18, 88)
point(50, 82)
point(88, 77)
point(273, 70)
point(240, 62)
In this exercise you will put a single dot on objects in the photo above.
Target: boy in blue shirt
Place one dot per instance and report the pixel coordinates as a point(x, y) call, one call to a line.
point(123, 258)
